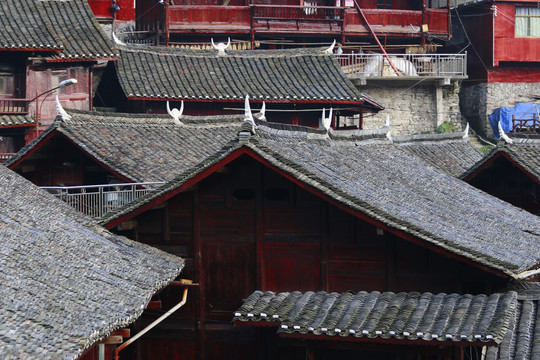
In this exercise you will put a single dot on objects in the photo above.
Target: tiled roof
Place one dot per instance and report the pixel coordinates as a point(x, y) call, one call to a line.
point(411, 316)
point(16, 120)
point(451, 153)
point(66, 282)
point(143, 148)
point(523, 339)
point(525, 151)
point(65, 25)
point(366, 173)
point(272, 75)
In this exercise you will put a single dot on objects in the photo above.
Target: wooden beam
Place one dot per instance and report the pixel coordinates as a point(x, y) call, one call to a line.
point(154, 304)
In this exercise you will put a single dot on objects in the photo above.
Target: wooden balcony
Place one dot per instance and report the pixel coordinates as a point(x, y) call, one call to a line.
point(376, 66)
point(13, 106)
point(338, 22)
point(98, 200)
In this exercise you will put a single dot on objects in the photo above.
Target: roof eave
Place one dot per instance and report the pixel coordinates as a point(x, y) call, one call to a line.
point(393, 226)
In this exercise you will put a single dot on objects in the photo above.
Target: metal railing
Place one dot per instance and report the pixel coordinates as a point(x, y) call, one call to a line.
point(408, 65)
point(98, 200)
point(13, 106)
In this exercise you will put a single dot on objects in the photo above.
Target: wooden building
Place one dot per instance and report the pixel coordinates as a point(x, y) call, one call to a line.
point(503, 43)
point(290, 216)
point(510, 172)
point(43, 43)
point(295, 84)
point(281, 23)
point(299, 210)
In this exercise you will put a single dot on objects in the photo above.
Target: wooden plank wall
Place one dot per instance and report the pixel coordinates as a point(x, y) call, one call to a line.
point(246, 228)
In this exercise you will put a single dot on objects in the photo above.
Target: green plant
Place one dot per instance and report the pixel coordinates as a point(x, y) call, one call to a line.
point(486, 149)
point(446, 127)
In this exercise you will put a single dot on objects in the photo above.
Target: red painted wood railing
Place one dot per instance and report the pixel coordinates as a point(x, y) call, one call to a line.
point(13, 106)
point(183, 18)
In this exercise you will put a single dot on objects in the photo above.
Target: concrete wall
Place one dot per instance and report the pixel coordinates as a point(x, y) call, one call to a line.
point(413, 108)
point(479, 101)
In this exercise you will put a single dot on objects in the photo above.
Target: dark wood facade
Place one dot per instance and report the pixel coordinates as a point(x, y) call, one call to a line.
point(502, 177)
point(247, 227)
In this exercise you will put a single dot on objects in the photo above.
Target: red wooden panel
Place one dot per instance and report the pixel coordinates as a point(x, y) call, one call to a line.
point(291, 266)
point(230, 342)
point(213, 188)
point(355, 283)
point(152, 348)
point(523, 48)
point(101, 8)
point(228, 267)
point(228, 220)
point(356, 252)
point(292, 221)
point(523, 73)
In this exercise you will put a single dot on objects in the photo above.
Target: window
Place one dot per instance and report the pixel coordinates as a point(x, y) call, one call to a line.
point(2, 85)
point(527, 21)
point(384, 4)
point(57, 76)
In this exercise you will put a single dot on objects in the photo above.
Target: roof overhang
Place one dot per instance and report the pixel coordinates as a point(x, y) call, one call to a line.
point(196, 175)
point(490, 160)
point(388, 318)
point(52, 133)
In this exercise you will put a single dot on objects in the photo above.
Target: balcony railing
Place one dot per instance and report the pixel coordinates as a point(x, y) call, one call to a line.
point(263, 18)
point(99, 200)
point(13, 106)
point(359, 66)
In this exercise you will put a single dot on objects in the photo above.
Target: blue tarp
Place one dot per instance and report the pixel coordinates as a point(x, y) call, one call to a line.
point(504, 115)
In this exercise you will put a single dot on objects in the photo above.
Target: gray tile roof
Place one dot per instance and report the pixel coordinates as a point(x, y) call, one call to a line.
point(297, 75)
point(451, 153)
point(522, 341)
point(525, 151)
point(365, 172)
point(387, 315)
point(65, 25)
point(143, 148)
point(66, 282)
point(16, 120)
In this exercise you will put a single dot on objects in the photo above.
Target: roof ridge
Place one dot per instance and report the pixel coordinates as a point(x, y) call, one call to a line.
point(434, 137)
point(317, 134)
point(210, 52)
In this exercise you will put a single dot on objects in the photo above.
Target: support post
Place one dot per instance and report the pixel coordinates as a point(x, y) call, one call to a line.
point(363, 16)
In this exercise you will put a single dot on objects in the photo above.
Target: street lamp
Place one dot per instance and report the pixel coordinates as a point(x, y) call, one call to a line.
point(61, 84)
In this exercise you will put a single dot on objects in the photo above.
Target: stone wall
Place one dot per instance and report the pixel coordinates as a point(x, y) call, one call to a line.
point(413, 108)
point(479, 101)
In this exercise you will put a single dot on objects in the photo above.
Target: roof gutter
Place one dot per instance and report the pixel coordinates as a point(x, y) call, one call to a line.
point(183, 282)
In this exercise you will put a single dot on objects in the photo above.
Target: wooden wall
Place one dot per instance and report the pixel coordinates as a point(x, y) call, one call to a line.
point(60, 163)
point(507, 46)
point(76, 96)
point(503, 179)
point(246, 227)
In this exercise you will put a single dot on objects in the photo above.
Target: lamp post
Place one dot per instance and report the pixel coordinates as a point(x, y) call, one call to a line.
point(61, 84)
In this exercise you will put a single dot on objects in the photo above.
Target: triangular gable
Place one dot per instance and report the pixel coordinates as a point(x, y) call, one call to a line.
point(383, 185)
